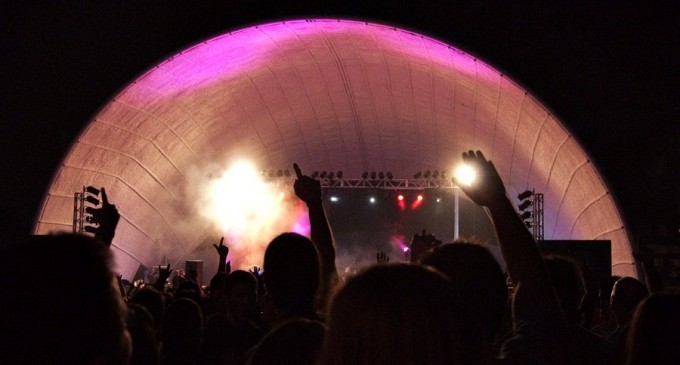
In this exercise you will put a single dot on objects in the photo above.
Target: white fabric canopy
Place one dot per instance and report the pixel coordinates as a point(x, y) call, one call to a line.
point(330, 95)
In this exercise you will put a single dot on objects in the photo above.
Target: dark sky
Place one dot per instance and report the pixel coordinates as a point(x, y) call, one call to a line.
point(608, 71)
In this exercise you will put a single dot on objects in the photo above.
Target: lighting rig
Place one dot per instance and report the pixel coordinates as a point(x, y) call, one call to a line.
point(531, 212)
point(369, 180)
point(85, 205)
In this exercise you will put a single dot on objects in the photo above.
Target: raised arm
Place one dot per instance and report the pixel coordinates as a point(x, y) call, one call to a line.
point(522, 257)
point(309, 191)
point(223, 266)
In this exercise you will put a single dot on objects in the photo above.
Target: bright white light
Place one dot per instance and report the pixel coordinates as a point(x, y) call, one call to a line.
point(420, 197)
point(466, 175)
point(247, 210)
point(240, 197)
point(334, 198)
point(439, 200)
point(372, 200)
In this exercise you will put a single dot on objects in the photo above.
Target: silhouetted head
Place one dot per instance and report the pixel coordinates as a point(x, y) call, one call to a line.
point(240, 295)
point(182, 331)
point(567, 280)
point(479, 282)
point(153, 301)
point(654, 335)
point(60, 303)
point(395, 314)
point(146, 349)
point(626, 295)
point(294, 342)
point(291, 273)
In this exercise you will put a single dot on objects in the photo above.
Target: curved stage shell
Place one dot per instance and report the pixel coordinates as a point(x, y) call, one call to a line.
point(329, 95)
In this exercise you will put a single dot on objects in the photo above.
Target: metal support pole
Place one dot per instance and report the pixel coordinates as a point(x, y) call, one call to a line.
point(456, 213)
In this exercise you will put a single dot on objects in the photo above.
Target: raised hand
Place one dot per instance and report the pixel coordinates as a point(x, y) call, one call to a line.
point(421, 243)
point(223, 251)
point(163, 275)
point(382, 258)
point(256, 271)
point(306, 188)
point(107, 217)
point(488, 187)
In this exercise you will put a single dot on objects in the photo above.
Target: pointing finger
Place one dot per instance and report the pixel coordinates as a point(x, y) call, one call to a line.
point(105, 199)
point(298, 172)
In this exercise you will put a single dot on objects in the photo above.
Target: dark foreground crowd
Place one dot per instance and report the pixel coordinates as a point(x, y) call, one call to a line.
point(61, 303)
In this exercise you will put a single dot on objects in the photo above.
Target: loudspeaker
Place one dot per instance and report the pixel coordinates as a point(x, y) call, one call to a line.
point(194, 271)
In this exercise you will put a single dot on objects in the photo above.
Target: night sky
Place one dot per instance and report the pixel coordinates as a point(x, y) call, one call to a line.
point(609, 72)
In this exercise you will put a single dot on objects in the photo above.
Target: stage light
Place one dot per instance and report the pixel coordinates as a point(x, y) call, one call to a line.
point(279, 173)
point(372, 200)
point(439, 200)
point(525, 194)
point(525, 215)
point(389, 175)
point(334, 199)
point(322, 174)
point(400, 197)
point(364, 175)
point(286, 173)
point(427, 174)
point(92, 190)
point(271, 173)
point(417, 175)
point(282, 195)
point(314, 175)
point(381, 175)
point(373, 175)
point(525, 204)
point(331, 175)
point(92, 200)
point(435, 174)
point(465, 175)
point(418, 201)
point(443, 173)
point(339, 174)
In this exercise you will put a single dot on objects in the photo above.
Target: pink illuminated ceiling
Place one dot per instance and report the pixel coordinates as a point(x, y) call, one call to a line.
point(331, 95)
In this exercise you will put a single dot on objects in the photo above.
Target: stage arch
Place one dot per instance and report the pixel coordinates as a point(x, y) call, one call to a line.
point(330, 95)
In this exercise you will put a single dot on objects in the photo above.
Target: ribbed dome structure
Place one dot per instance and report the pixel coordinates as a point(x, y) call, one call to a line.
point(327, 94)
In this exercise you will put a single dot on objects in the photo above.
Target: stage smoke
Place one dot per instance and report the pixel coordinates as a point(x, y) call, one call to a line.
point(249, 212)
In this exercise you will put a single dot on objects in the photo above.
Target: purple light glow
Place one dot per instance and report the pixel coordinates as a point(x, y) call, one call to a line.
point(249, 52)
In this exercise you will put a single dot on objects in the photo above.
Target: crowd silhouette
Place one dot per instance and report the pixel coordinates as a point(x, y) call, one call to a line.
point(61, 302)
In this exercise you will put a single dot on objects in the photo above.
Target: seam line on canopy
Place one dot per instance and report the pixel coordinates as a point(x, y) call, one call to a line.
point(564, 194)
point(350, 96)
point(186, 111)
point(159, 120)
point(610, 231)
point(533, 149)
point(130, 156)
point(591, 203)
point(155, 178)
point(271, 119)
point(309, 103)
point(514, 138)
